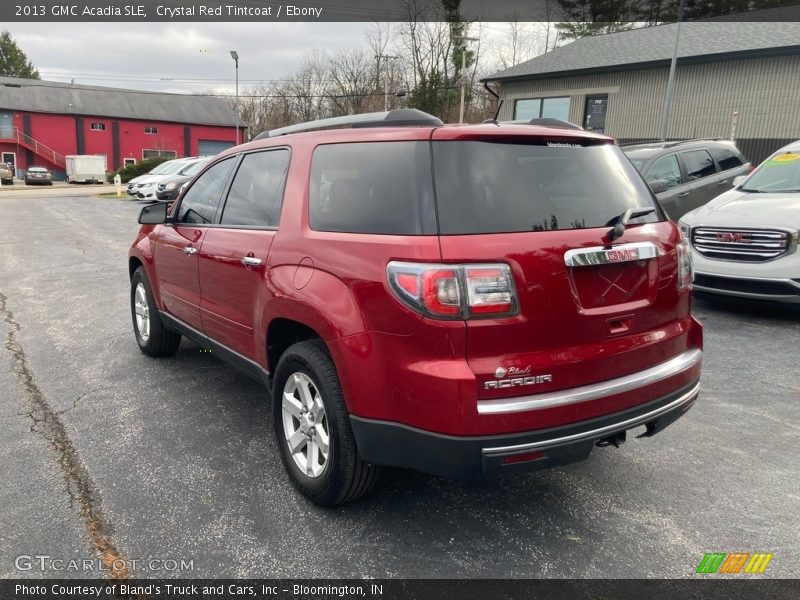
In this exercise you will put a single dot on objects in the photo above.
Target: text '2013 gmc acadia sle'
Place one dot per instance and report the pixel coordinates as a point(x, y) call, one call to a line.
point(462, 300)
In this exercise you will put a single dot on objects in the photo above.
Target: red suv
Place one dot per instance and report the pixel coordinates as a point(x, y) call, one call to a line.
point(461, 300)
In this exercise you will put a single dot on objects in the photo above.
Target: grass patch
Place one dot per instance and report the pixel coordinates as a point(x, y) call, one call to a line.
point(113, 196)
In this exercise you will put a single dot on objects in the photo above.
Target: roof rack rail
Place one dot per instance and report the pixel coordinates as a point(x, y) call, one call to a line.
point(402, 117)
point(557, 123)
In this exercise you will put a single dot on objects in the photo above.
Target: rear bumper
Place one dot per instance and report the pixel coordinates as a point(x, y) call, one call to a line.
point(392, 444)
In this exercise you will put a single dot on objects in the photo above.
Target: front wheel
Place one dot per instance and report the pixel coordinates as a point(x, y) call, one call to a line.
point(313, 430)
point(153, 338)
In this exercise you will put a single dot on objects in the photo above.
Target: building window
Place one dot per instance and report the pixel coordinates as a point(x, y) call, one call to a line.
point(542, 108)
point(98, 127)
point(151, 130)
point(128, 161)
point(159, 153)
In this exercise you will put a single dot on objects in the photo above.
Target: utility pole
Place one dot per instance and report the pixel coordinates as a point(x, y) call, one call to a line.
point(235, 57)
point(386, 76)
point(665, 115)
point(464, 41)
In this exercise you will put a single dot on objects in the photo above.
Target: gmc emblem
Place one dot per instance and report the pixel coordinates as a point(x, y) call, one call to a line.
point(622, 255)
point(733, 237)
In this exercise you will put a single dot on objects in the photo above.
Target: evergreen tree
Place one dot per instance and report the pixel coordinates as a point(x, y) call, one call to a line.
point(13, 61)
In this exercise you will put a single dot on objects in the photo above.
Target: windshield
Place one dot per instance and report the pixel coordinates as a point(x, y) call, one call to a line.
point(193, 168)
point(173, 168)
point(779, 173)
point(489, 187)
point(160, 168)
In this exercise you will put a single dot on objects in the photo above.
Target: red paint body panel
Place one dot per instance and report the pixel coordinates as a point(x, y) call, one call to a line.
point(233, 296)
point(177, 274)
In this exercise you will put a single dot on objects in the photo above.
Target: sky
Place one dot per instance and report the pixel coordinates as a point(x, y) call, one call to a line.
point(125, 54)
point(128, 54)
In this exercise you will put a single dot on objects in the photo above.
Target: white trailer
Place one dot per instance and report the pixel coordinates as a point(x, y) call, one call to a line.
point(86, 168)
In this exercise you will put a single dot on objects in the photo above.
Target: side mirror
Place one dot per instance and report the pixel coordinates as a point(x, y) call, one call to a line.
point(737, 181)
point(658, 186)
point(154, 214)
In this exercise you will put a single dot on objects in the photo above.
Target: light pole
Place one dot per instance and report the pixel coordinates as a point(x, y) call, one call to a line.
point(387, 75)
point(464, 41)
point(235, 57)
point(666, 113)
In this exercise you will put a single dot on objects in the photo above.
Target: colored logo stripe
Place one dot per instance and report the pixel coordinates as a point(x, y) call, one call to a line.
point(758, 563)
point(722, 562)
point(734, 562)
point(711, 562)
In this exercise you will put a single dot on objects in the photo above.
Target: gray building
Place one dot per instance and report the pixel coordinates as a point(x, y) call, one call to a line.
point(739, 79)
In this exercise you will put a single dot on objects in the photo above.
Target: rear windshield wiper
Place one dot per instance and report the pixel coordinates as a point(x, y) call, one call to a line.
point(622, 221)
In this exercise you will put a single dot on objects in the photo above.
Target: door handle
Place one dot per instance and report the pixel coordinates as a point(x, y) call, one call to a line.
point(189, 251)
point(683, 194)
point(723, 182)
point(251, 261)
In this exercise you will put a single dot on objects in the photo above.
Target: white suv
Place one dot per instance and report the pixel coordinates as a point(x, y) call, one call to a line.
point(744, 242)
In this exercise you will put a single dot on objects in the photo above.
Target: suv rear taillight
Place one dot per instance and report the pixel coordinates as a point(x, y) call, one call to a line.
point(685, 271)
point(454, 291)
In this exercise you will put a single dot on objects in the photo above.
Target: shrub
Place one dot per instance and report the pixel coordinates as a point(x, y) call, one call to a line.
point(139, 168)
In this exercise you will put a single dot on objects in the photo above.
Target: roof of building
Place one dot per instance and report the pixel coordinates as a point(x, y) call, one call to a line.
point(33, 95)
point(700, 41)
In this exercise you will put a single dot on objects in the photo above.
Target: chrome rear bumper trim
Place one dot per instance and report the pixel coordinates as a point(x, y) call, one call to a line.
point(595, 434)
point(594, 391)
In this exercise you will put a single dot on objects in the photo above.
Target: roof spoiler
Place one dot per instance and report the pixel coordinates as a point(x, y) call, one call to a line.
point(557, 123)
point(403, 117)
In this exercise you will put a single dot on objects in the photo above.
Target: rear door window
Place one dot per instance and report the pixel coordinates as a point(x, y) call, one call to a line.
point(372, 187)
point(698, 164)
point(726, 158)
point(492, 187)
point(256, 194)
point(199, 203)
point(665, 169)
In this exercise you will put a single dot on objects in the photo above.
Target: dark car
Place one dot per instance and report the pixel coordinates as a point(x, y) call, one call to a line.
point(466, 301)
point(38, 176)
point(686, 175)
point(170, 188)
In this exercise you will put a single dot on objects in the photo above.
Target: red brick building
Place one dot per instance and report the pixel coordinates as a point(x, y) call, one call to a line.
point(43, 121)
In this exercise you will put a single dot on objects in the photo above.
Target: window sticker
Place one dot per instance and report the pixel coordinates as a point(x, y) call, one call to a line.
point(783, 159)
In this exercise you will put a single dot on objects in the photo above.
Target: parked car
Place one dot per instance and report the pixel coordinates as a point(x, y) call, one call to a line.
point(6, 174)
point(535, 305)
point(170, 187)
point(38, 176)
point(147, 187)
point(744, 242)
point(157, 170)
point(685, 175)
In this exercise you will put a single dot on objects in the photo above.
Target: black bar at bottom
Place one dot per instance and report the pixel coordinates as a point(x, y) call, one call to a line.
point(701, 586)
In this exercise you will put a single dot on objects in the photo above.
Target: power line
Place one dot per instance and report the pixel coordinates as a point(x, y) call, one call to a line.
point(477, 88)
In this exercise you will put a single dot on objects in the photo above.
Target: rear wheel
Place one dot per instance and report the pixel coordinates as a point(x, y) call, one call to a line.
point(313, 431)
point(153, 338)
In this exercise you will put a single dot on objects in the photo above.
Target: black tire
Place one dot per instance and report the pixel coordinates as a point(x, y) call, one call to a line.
point(160, 341)
point(345, 477)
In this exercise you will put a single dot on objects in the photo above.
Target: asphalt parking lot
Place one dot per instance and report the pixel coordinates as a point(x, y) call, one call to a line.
point(107, 451)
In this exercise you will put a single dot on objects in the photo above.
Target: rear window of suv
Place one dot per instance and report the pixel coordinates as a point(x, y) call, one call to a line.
point(491, 187)
point(372, 187)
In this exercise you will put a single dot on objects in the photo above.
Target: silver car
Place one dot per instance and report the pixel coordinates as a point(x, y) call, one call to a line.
point(686, 175)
